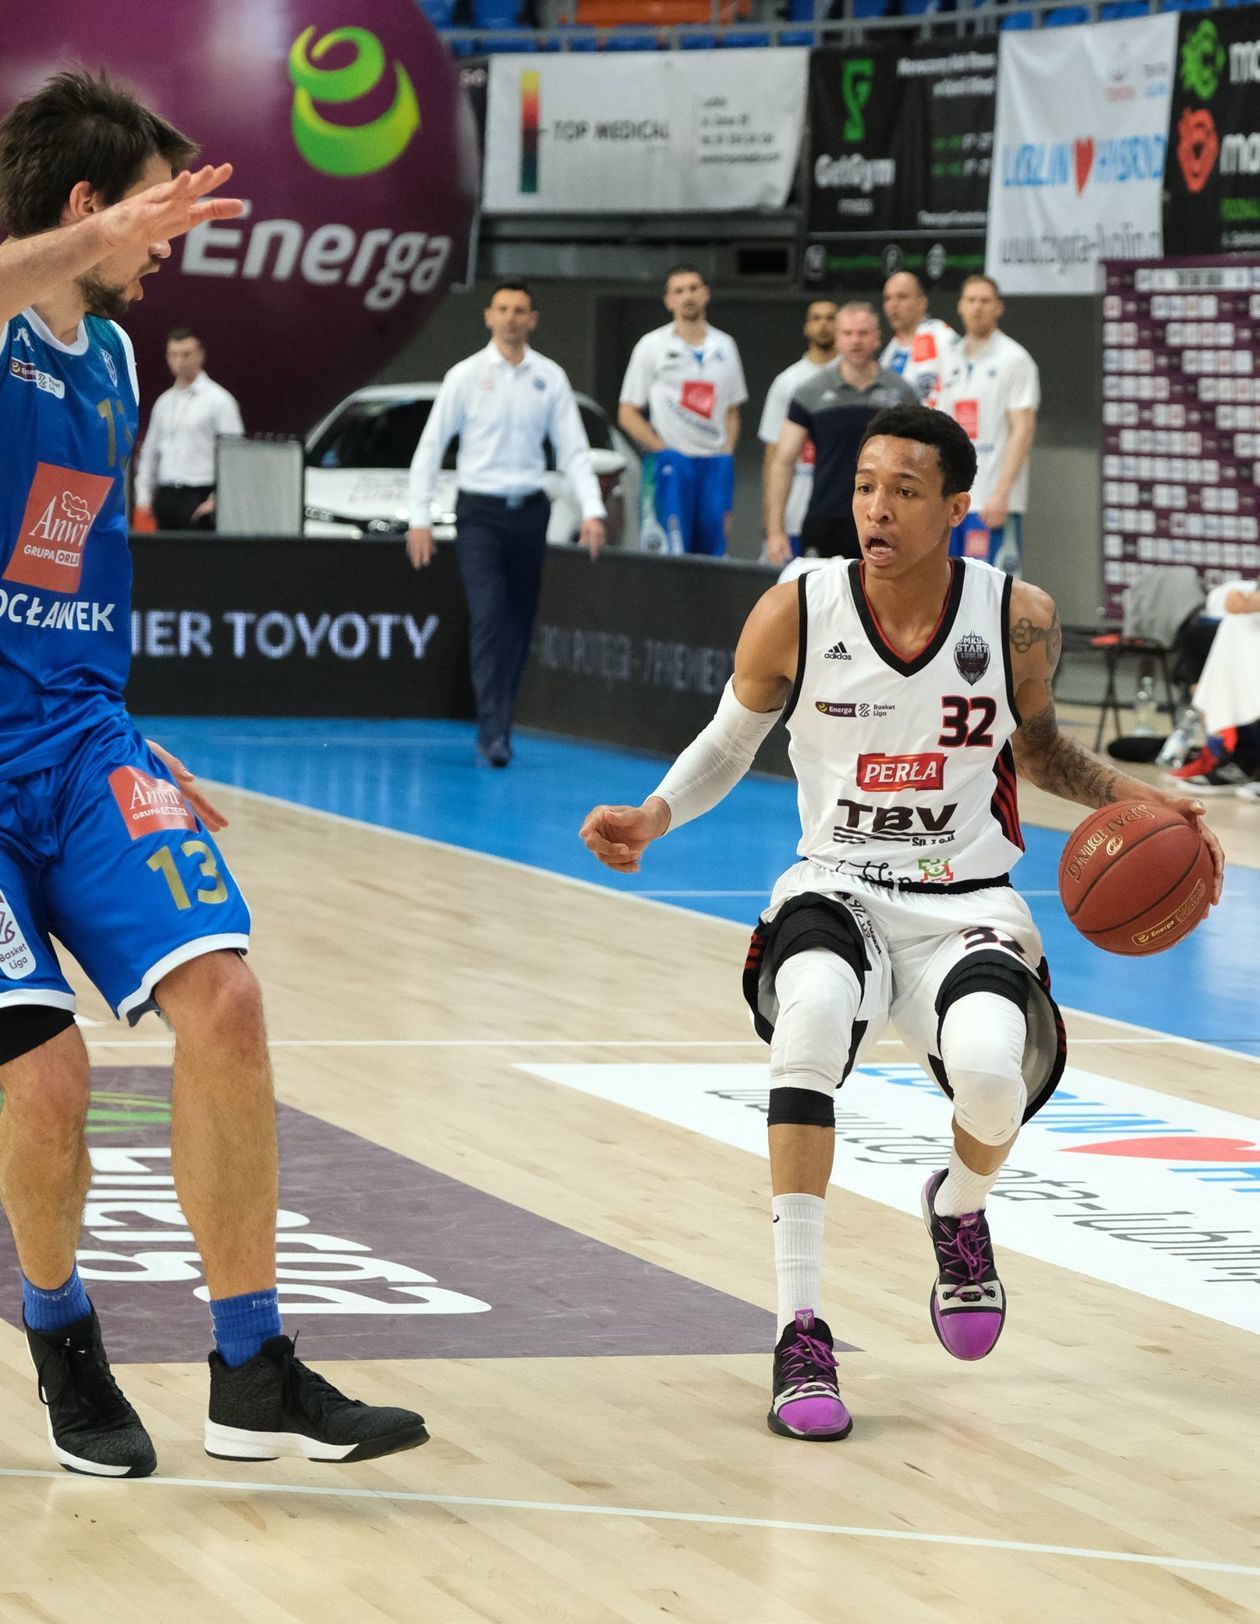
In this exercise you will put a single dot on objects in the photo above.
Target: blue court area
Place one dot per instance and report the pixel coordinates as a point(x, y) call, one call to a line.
point(422, 778)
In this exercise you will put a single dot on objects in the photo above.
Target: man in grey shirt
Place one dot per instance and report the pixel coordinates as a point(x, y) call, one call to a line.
point(833, 410)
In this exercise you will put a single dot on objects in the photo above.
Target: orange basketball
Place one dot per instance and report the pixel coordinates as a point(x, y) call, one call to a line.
point(1135, 877)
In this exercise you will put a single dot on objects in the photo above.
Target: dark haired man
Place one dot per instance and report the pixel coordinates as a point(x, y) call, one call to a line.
point(176, 468)
point(503, 403)
point(820, 332)
point(680, 402)
point(913, 686)
point(104, 842)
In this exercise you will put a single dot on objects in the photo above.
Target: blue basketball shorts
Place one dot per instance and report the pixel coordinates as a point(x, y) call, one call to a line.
point(693, 498)
point(103, 853)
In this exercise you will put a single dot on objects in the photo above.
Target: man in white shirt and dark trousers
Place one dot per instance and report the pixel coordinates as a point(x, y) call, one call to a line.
point(680, 403)
point(175, 473)
point(990, 384)
point(503, 403)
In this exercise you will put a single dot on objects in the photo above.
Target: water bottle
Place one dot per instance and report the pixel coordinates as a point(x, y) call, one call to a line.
point(1185, 740)
point(1145, 715)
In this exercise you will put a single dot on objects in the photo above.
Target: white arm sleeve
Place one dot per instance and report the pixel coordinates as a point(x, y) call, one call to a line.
point(715, 760)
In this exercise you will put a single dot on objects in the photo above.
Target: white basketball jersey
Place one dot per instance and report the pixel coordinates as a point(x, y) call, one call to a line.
point(904, 768)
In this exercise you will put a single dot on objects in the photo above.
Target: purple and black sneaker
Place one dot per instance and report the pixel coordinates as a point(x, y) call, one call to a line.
point(806, 1402)
point(968, 1303)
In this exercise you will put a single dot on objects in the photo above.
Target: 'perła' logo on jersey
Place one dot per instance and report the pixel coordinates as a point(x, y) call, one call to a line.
point(887, 774)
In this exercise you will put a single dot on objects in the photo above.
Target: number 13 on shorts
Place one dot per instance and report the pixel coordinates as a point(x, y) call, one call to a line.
point(212, 890)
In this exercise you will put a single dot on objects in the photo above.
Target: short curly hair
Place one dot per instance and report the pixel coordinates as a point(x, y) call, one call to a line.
point(79, 126)
point(954, 451)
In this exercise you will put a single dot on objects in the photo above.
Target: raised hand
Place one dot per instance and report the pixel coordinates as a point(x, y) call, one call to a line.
point(170, 208)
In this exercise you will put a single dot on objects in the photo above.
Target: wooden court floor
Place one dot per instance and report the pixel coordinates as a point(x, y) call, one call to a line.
point(1100, 1466)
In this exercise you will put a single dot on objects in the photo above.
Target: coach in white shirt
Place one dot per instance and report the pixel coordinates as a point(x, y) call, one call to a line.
point(503, 402)
point(175, 473)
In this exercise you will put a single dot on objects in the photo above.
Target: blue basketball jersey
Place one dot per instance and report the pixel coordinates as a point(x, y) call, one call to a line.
point(68, 421)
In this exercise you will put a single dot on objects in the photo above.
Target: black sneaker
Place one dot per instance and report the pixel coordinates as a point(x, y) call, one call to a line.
point(275, 1405)
point(91, 1426)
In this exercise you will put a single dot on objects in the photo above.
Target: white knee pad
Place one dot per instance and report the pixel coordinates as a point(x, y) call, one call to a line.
point(982, 1048)
point(819, 998)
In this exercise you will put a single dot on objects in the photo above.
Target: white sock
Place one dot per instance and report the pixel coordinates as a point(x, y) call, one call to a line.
point(798, 1238)
point(962, 1190)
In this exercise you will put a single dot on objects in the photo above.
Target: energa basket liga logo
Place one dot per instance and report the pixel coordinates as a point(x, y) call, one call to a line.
point(348, 149)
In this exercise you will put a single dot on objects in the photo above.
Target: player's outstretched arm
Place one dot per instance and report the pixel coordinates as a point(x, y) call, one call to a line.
point(1051, 759)
point(30, 266)
point(715, 761)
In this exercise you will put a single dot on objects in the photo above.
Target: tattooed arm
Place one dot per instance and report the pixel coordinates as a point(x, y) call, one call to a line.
point(1050, 759)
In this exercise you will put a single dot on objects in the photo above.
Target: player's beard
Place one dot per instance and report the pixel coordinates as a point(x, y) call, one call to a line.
point(103, 298)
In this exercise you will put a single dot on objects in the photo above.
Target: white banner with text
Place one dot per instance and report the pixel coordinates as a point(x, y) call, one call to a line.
point(1078, 179)
point(659, 133)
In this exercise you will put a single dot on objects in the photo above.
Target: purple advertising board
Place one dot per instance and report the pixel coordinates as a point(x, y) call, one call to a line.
point(355, 151)
point(1181, 419)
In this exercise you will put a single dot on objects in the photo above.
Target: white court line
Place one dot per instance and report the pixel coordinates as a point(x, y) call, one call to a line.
point(762, 893)
point(645, 1514)
point(464, 1043)
point(553, 1043)
point(631, 896)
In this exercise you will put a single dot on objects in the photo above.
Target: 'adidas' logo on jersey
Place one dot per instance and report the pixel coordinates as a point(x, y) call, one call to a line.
point(839, 652)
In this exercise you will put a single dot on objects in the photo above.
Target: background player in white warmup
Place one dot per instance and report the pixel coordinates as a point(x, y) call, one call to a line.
point(913, 685)
point(920, 344)
point(820, 331)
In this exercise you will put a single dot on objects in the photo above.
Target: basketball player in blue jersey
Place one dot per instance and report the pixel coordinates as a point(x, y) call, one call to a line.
point(104, 842)
point(914, 687)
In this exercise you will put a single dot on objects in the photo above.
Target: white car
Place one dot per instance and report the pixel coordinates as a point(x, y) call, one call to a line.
point(357, 461)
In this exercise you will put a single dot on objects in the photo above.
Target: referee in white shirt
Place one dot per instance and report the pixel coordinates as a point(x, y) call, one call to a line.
point(175, 473)
point(503, 402)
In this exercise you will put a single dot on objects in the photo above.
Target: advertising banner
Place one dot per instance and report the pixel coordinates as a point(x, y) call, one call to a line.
point(679, 132)
point(900, 149)
point(355, 151)
point(1212, 197)
point(1181, 420)
point(638, 651)
point(1082, 135)
point(261, 626)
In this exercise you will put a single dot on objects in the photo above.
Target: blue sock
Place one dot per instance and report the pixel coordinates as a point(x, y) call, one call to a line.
point(54, 1310)
point(242, 1324)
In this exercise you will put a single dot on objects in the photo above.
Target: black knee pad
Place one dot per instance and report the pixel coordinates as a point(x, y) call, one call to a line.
point(985, 972)
point(803, 1106)
point(813, 921)
point(803, 922)
point(24, 1027)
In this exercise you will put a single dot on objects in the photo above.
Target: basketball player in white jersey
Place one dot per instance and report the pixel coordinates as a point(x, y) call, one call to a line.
point(914, 686)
